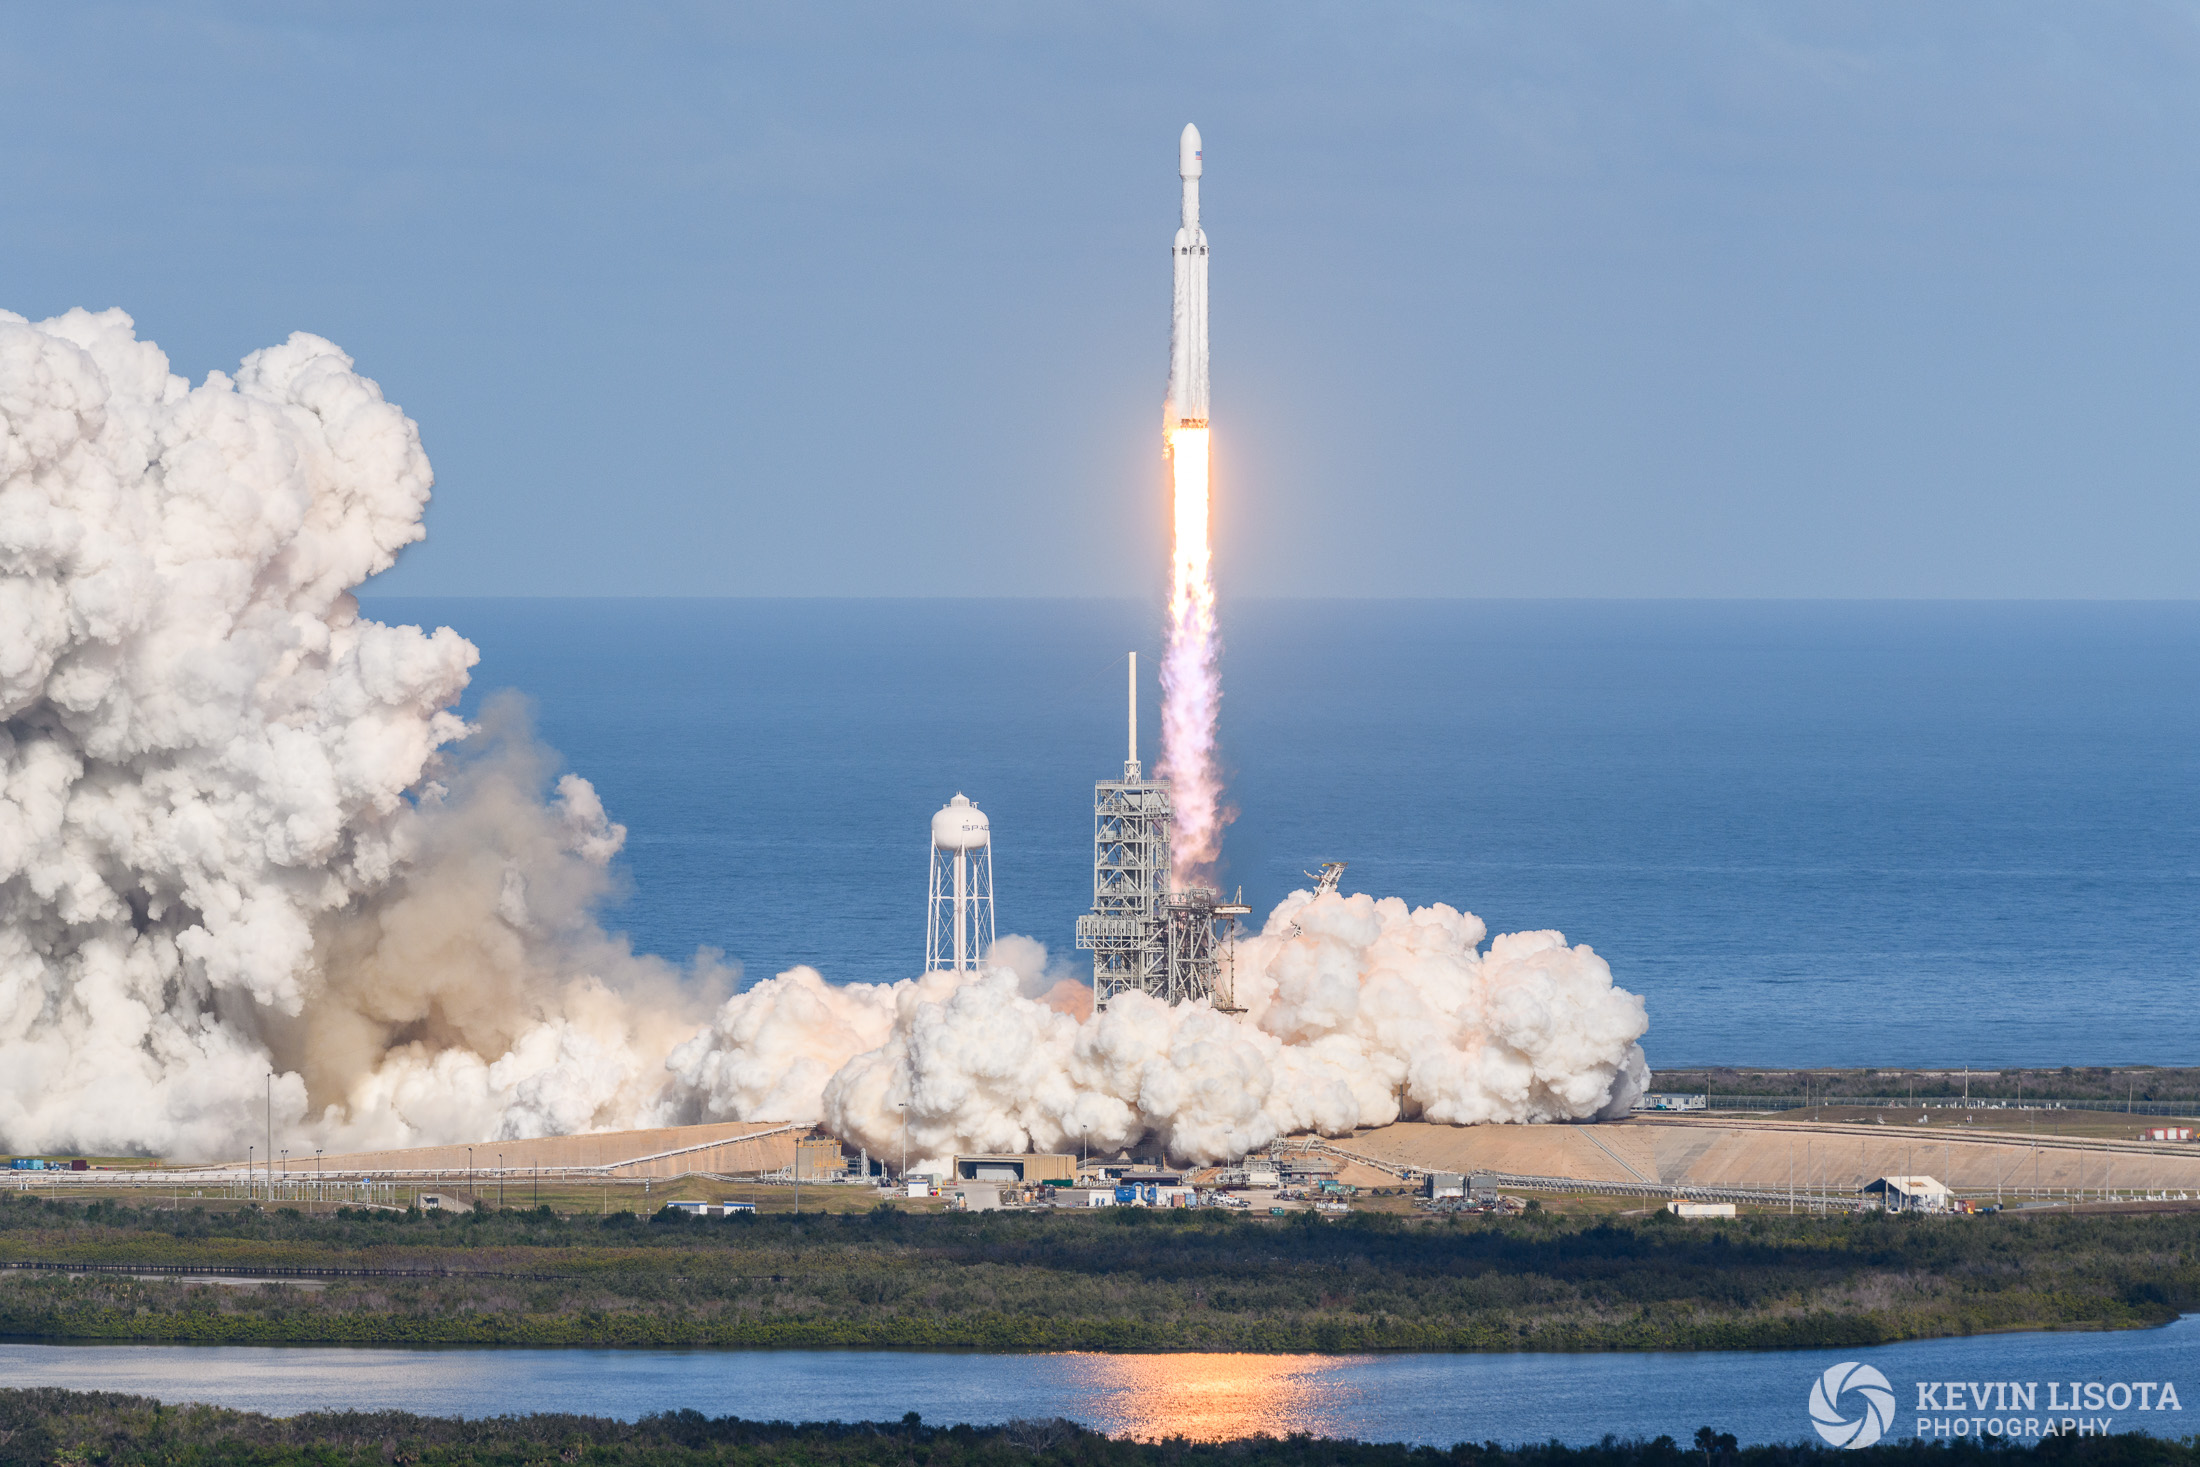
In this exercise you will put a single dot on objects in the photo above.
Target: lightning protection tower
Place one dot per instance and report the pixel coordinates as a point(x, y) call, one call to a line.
point(959, 925)
point(1143, 936)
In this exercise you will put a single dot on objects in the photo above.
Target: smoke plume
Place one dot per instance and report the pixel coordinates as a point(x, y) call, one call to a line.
point(234, 839)
point(1357, 1012)
point(247, 849)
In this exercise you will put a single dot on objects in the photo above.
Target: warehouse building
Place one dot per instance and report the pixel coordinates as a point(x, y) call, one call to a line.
point(1028, 1167)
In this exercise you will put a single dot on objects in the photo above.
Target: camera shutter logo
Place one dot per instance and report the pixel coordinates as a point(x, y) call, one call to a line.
point(1865, 1388)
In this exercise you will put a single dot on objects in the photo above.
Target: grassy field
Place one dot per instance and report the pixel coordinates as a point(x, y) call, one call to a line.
point(2097, 1088)
point(2092, 1125)
point(51, 1426)
point(1113, 1279)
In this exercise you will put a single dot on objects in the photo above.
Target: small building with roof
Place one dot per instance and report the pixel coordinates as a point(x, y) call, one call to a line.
point(1910, 1194)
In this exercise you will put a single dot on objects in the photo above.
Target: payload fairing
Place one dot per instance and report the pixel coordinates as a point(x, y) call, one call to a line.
point(1187, 402)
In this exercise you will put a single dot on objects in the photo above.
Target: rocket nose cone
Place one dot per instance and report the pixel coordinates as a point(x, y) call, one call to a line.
point(1187, 152)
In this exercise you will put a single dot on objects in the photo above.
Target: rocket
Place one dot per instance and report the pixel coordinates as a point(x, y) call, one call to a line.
point(1186, 406)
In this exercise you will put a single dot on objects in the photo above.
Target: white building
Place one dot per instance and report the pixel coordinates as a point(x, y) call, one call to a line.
point(972, 1197)
point(1910, 1194)
point(1699, 1209)
point(1655, 1101)
point(1082, 1196)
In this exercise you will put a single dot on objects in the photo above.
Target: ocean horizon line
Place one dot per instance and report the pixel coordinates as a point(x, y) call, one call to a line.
point(1243, 600)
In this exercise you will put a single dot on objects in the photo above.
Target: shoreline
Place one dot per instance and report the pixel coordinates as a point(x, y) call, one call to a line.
point(1369, 1353)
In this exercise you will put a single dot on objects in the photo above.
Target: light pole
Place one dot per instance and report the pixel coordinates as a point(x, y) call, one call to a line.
point(249, 1152)
point(500, 1179)
point(469, 1174)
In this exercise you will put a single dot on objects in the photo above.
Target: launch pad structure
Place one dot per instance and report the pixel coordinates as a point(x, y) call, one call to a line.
point(1145, 937)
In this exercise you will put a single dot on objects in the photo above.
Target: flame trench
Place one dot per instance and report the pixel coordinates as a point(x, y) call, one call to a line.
point(1191, 686)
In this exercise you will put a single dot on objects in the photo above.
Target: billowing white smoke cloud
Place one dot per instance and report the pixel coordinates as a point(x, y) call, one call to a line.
point(1357, 1011)
point(229, 843)
point(242, 833)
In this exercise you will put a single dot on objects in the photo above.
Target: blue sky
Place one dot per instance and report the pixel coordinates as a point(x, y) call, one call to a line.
point(1531, 299)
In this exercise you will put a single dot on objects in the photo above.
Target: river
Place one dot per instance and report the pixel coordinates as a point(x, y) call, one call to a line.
point(1430, 1399)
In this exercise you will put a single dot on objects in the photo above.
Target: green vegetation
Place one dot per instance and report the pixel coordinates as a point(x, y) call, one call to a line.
point(2111, 1088)
point(51, 1426)
point(1118, 1279)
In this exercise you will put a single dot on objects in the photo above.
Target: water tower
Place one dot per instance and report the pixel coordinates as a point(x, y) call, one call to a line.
point(959, 926)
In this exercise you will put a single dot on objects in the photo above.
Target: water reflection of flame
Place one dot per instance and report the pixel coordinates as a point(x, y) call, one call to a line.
point(1209, 1397)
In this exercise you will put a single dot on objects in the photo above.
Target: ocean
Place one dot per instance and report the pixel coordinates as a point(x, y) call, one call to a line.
point(1809, 833)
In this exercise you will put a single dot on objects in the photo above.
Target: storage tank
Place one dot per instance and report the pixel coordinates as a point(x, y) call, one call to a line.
point(959, 922)
point(961, 826)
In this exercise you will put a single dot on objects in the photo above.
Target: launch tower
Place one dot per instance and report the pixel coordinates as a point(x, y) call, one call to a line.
point(958, 929)
point(1144, 937)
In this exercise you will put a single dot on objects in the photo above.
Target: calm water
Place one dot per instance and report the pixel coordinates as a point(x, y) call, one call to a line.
point(1434, 1399)
point(1816, 833)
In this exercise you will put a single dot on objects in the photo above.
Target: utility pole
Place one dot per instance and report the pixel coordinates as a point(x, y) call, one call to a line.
point(271, 1135)
point(500, 1179)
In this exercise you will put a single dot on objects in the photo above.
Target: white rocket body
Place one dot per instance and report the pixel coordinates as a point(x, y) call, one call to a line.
point(1187, 401)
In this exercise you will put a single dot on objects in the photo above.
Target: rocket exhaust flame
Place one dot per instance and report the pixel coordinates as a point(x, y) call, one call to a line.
point(1191, 684)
